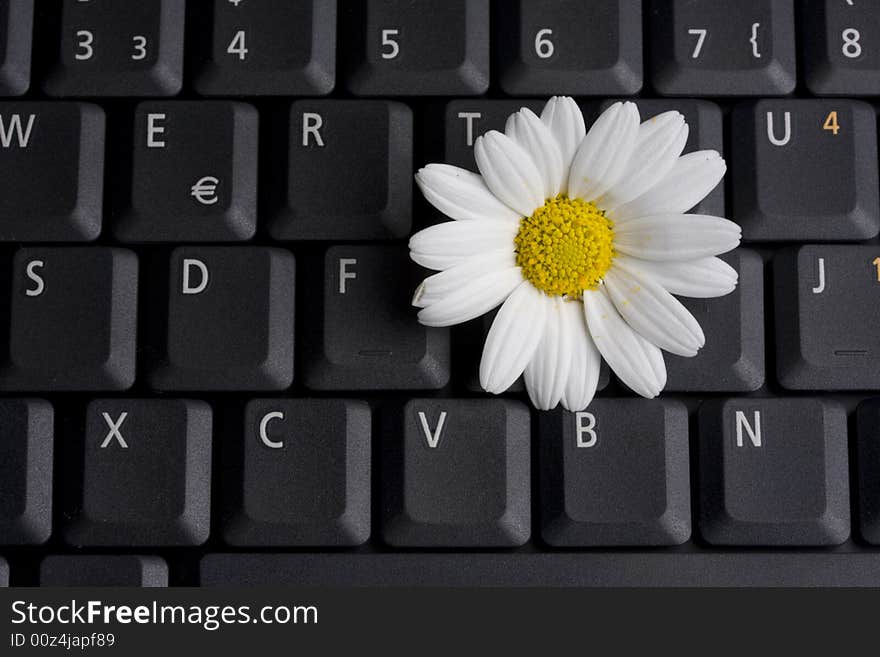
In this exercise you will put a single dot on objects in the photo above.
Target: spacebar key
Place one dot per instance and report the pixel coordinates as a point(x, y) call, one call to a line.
point(606, 569)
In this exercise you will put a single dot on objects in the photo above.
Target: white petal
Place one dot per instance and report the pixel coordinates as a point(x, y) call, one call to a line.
point(547, 371)
point(513, 338)
point(660, 141)
point(526, 129)
point(605, 152)
point(509, 172)
point(473, 299)
point(676, 236)
point(586, 362)
point(446, 282)
point(637, 362)
point(445, 245)
point(655, 360)
point(658, 316)
point(461, 194)
point(689, 181)
point(702, 278)
point(565, 120)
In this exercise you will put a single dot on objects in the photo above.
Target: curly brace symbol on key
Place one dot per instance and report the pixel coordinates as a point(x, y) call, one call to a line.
point(754, 40)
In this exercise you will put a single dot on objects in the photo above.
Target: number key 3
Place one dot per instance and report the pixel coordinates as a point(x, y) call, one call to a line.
point(110, 48)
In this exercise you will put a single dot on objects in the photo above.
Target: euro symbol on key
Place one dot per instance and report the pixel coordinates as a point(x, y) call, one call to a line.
point(205, 190)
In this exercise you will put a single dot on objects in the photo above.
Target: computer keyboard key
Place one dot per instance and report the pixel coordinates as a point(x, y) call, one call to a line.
point(361, 333)
point(299, 475)
point(273, 48)
point(73, 320)
point(805, 170)
point(26, 439)
point(732, 359)
point(193, 174)
point(52, 158)
point(456, 473)
point(226, 322)
point(416, 47)
point(868, 460)
point(541, 569)
point(344, 172)
point(826, 299)
point(4, 573)
point(108, 48)
point(615, 474)
point(16, 32)
point(467, 119)
point(542, 47)
point(140, 475)
point(839, 47)
point(705, 132)
point(103, 570)
point(774, 472)
point(718, 49)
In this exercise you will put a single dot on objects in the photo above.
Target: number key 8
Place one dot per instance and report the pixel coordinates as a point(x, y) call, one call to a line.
point(840, 56)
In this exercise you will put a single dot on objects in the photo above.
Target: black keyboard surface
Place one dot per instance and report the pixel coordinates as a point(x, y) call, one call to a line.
point(211, 372)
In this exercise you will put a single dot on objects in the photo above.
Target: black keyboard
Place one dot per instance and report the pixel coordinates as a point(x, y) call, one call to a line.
point(212, 373)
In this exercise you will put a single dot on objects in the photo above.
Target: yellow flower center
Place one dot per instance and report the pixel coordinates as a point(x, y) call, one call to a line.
point(565, 247)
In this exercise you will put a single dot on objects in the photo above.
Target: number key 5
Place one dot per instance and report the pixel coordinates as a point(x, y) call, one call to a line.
point(416, 47)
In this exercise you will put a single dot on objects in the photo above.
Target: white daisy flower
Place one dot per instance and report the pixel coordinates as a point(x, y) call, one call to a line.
point(582, 238)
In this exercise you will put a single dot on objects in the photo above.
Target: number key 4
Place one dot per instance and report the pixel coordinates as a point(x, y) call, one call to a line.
point(266, 48)
point(110, 48)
